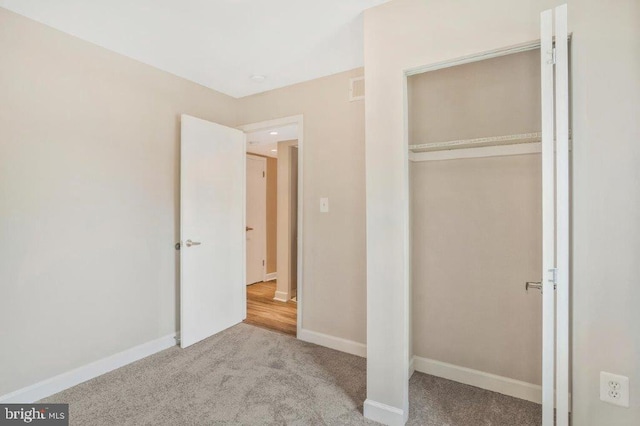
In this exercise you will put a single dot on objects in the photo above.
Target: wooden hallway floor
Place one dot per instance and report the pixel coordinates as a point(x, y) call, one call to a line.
point(263, 311)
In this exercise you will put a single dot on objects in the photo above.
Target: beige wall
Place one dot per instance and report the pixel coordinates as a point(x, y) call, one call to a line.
point(606, 202)
point(293, 222)
point(272, 214)
point(332, 157)
point(89, 144)
point(284, 237)
point(476, 238)
point(494, 97)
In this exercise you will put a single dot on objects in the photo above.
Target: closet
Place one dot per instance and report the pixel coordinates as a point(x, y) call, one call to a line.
point(476, 221)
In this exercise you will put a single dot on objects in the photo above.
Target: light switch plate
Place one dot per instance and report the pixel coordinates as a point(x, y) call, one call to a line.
point(614, 389)
point(324, 205)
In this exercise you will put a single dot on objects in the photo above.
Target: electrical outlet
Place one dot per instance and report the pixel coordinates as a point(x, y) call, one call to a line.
point(614, 389)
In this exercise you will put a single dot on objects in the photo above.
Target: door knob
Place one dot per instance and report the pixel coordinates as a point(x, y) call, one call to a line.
point(533, 284)
point(248, 228)
point(190, 243)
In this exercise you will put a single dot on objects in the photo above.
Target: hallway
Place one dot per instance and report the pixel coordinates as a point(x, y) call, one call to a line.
point(263, 311)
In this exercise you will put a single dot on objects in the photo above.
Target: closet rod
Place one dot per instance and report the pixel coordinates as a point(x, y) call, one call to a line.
point(486, 141)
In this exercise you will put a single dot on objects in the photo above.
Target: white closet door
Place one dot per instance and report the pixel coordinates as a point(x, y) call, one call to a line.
point(562, 217)
point(555, 223)
point(548, 219)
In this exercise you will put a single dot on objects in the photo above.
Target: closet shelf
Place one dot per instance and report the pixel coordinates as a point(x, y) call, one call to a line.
point(478, 142)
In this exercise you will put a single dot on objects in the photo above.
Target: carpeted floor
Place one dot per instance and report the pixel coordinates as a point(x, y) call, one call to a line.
point(248, 375)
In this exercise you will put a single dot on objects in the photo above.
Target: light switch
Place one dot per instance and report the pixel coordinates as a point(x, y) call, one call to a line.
point(324, 205)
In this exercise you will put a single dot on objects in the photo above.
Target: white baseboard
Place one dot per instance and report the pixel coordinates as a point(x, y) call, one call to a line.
point(383, 413)
point(270, 277)
point(74, 377)
point(480, 379)
point(337, 343)
point(412, 368)
point(281, 296)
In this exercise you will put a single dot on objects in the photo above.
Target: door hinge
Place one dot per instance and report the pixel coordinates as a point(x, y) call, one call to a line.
point(554, 277)
point(263, 263)
point(553, 57)
point(263, 175)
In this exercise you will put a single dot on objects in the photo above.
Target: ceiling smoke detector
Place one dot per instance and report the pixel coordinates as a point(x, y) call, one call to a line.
point(258, 78)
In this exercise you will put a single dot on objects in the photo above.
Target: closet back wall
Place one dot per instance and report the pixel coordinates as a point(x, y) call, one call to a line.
point(476, 223)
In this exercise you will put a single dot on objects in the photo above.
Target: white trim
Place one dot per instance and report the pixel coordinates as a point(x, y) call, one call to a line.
point(548, 218)
point(407, 330)
point(485, 151)
point(383, 413)
point(468, 143)
point(523, 47)
point(412, 366)
point(271, 276)
point(79, 375)
point(299, 121)
point(278, 122)
point(480, 379)
point(563, 379)
point(281, 296)
point(244, 240)
point(337, 343)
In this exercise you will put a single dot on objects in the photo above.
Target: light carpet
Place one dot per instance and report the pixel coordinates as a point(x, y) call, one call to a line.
point(252, 376)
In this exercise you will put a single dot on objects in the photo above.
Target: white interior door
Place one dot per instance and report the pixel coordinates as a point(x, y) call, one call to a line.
point(256, 228)
point(212, 199)
point(555, 224)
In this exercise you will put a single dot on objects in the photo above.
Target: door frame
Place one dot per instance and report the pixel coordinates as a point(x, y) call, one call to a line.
point(475, 57)
point(279, 122)
point(264, 222)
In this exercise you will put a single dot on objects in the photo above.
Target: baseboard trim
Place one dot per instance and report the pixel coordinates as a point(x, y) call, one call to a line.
point(337, 343)
point(271, 276)
point(480, 379)
point(281, 296)
point(412, 367)
point(383, 413)
point(79, 375)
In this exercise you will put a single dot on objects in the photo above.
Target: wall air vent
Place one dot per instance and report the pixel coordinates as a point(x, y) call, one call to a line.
point(356, 89)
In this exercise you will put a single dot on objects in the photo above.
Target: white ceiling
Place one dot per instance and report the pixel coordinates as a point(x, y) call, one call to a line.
point(264, 143)
point(218, 43)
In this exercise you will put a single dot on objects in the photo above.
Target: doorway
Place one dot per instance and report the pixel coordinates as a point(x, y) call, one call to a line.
point(478, 182)
point(273, 225)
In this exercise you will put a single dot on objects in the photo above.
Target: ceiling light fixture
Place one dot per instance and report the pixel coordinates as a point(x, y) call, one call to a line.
point(274, 150)
point(273, 133)
point(258, 78)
